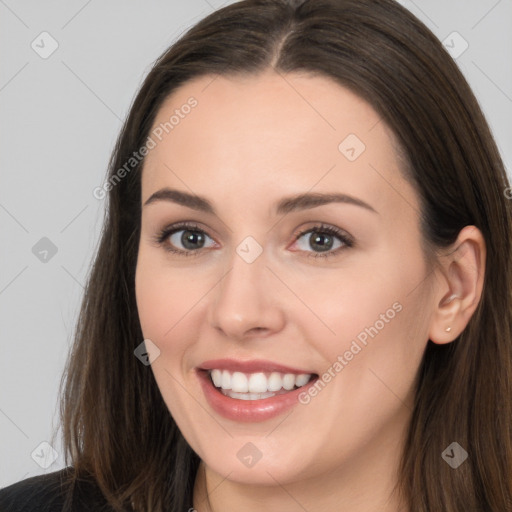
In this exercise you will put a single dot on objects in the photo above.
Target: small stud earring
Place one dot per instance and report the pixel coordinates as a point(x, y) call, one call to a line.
point(448, 329)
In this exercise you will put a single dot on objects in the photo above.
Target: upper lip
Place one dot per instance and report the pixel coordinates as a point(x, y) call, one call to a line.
point(250, 366)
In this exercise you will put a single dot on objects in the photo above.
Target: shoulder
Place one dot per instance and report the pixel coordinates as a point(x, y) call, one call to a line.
point(47, 493)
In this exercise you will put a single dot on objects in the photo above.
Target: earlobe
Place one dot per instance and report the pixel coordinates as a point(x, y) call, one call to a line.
point(443, 326)
point(459, 285)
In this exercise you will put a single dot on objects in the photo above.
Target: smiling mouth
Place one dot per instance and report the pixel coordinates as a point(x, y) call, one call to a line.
point(258, 385)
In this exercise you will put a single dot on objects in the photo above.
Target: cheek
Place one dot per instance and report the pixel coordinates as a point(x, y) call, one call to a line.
point(350, 304)
point(164, 300)
point(164, 297)
point(377, 317)
point(151, 301)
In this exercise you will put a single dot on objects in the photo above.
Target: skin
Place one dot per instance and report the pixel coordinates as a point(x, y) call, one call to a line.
point(248, 143)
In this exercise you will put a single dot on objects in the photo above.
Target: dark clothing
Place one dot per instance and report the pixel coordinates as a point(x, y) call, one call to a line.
point(47, 493)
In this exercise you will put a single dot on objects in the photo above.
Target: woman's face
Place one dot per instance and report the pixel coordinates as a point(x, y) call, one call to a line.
point(267, 290)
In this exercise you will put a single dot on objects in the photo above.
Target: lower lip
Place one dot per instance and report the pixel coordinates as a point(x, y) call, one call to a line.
point(249, 410)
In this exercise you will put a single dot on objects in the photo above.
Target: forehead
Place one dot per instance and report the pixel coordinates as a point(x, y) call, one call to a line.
point(268, 133)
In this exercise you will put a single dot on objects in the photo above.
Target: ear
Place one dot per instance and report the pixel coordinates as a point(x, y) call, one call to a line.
point(459, 285)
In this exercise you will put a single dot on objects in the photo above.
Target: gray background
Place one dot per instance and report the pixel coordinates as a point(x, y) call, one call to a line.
point(60, 118)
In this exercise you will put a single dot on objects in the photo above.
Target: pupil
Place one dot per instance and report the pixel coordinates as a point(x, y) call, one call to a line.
point(317, 239)
point(189, 238)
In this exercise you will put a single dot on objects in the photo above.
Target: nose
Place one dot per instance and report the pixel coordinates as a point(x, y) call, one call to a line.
point(246, 302)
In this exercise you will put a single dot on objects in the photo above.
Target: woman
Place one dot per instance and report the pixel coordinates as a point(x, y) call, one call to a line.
point(308, 214)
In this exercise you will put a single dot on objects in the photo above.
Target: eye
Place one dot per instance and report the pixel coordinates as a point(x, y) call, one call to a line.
point(192, 240)
point(188, 235)
point(324, 239)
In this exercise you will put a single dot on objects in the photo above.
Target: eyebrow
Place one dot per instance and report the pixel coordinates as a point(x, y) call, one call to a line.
point(284, 206)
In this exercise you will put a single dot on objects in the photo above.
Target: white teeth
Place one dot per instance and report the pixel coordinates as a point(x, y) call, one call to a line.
point(289, 381)
point(254, 386)
point(275, 382)
point(239, 383)
point(226, 380)
point(217, 378)
point(302, 379)
point(246, 396)
point(257, 383)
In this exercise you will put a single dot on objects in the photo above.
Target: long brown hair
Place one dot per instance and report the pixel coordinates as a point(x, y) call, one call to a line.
point(116, 426)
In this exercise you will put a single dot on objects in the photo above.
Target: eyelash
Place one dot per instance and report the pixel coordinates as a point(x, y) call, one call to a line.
point(347, 241)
